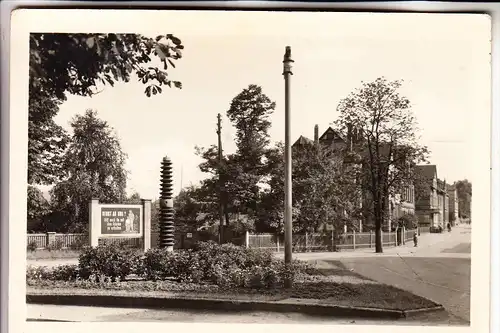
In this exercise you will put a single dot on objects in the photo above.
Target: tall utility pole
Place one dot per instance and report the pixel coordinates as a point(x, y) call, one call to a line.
point(287, 73)
point(221, 181)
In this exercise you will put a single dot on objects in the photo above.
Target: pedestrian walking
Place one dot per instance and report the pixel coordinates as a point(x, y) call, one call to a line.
point(415, 239)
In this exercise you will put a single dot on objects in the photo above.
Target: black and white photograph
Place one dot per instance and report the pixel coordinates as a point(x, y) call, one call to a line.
point(252, 167)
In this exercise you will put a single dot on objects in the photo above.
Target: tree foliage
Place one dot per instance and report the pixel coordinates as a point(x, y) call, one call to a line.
point(385, 132)
point(94, 168)
point(325, 190)
point(133, 199)
point(47, 142)
point(188, 206)
point(243, 172)
point(38, 206)
point(62, 63)
point(464, 193)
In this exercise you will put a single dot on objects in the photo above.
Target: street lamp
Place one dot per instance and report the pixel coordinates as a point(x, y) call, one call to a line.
point(287, 73)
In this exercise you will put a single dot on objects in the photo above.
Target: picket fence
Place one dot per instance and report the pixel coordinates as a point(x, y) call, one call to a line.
point(327, 242)
point(300, 242)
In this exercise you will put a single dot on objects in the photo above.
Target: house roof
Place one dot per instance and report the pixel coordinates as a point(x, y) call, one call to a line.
point(302, 140)
point(427, 171)
point(332, 131)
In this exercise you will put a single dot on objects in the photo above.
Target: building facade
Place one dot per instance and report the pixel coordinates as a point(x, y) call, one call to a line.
point(399, 205)
point(428, 202)
point(443, 201)
point(453, 205)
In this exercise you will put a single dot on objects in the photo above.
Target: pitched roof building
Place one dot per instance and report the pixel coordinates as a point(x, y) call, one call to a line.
point(340, 141)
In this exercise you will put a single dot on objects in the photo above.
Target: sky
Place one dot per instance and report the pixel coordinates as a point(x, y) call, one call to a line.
point(440, 58)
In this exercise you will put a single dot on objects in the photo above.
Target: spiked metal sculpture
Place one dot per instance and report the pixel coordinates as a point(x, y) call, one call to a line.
point(166, 206)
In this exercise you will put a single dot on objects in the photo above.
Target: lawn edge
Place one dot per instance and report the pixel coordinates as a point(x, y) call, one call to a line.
point(416, 312)
point(177, 302)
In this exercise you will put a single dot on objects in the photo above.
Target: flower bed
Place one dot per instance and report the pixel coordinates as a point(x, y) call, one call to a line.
point(213, 271)
point(222, 265)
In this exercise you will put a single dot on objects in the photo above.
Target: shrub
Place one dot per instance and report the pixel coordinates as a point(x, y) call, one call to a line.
point(57, 245)
point(65, 273)
point(258, 257)
point(188, 267)
point(158, 264)
point(78, 244)
point(38, 273)
point(108, 261)
point(409, 221)
point(32, 246)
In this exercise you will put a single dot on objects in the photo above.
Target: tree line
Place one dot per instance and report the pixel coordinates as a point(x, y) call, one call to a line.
point(375, 121)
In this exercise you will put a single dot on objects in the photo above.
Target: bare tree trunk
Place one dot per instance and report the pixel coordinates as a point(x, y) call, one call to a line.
point(379, 220)
point(378, 239)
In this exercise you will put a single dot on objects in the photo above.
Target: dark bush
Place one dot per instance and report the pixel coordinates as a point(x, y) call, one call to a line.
point(409, 221)
point(159, 264)
point(65, 272)
point(55, 246)
point(235, 266)
point(109, 261)
point(32, 246)
point(78, 244)
point(38, 273)
point(226, 266)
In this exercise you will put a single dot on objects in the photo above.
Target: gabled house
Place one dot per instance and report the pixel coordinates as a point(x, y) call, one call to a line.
point(330, 138)
point(428, 206)
point(399, 205)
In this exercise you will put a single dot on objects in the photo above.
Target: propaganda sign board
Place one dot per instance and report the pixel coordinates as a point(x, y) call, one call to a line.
point(121, 220)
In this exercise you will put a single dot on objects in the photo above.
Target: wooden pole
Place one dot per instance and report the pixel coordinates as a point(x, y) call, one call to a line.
point(221, 181)
point(287, 73)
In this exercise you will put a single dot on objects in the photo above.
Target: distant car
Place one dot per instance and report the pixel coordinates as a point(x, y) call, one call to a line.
point(438, 229)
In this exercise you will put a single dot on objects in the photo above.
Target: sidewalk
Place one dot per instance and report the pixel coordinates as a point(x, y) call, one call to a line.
point(429, 244)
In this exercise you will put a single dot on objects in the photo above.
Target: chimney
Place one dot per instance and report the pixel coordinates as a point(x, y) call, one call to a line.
point(316, 134)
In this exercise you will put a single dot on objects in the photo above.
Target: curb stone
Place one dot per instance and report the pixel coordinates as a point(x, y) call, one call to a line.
point(412, 313)
point(288, 305)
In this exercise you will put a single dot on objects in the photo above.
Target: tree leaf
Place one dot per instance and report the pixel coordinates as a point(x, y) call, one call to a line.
point(160, 52)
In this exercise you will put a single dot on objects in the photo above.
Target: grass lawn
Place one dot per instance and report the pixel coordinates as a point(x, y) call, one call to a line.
point(364, 293)
point(53, 254)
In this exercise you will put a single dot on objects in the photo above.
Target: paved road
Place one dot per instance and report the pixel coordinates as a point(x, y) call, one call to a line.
point(445, 280)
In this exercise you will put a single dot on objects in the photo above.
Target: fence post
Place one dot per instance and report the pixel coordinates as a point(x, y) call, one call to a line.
point(404, 236)
point(51, 238)
point(307, 243)
point(247, 239)
point(146, 228)
point(94, 222)
point(354, 239)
